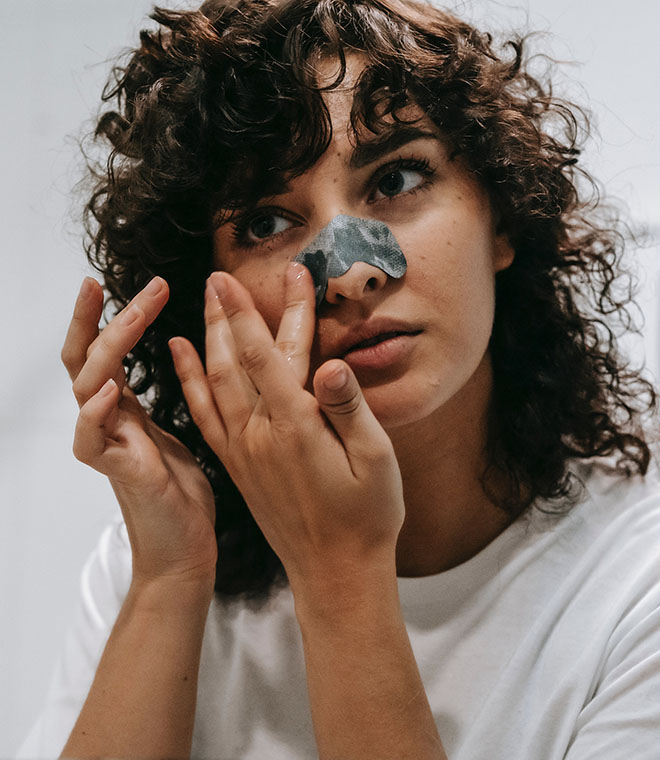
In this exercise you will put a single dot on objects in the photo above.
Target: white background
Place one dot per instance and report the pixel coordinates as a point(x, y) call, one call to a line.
point(53, 61)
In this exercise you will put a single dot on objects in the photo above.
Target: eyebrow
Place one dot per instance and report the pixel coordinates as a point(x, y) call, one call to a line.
point(371, 151)
point(362, 155)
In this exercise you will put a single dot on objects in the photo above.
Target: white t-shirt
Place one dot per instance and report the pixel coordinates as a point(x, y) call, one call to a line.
point(545, 645)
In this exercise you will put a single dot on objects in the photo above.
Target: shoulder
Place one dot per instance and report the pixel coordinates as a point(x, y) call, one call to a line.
point(612, 499)
point(603, 550)
point(602, 500)
point(606, 546)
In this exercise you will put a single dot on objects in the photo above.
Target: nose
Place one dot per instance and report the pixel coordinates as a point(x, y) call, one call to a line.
point(361, 278)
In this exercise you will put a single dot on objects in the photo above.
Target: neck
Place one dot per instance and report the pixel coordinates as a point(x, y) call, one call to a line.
point(449, 518)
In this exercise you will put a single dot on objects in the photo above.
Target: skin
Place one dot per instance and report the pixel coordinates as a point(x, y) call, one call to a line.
point(434, 406)
point(336, 468)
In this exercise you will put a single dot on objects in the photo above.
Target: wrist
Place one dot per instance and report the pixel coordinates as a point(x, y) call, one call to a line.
point(347, 591)
point(171, 595)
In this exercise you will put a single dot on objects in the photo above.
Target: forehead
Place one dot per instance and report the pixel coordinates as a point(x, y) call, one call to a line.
point(254, 175)
point(340, 100)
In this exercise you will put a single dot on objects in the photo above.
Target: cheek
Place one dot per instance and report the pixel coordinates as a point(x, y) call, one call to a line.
point(451, 266)
point(452, 259)
point(267, 291)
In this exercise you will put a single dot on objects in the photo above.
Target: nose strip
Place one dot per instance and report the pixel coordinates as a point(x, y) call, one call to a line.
point(345, 240)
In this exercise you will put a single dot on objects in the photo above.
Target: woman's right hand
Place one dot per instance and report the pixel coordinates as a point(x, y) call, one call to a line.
point(166, 500)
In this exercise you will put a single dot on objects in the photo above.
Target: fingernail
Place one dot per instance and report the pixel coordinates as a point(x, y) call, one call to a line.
point(219, 285)
point(129, 316)
point(106, 389)
point(211, 294)
point(174, 348)
point(336, 380)
point(154, 287)
point(86, 287)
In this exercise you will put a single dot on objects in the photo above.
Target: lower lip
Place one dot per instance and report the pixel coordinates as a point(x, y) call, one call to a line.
point(381, 354)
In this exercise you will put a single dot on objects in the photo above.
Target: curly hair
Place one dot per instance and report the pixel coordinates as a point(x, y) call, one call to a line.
point(220, 106)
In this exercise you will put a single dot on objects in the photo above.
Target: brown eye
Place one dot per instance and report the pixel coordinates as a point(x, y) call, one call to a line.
point(265, 226)
point(398, 181)
point(391, 184)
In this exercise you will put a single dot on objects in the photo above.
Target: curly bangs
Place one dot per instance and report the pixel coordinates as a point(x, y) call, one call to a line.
point(221, 106)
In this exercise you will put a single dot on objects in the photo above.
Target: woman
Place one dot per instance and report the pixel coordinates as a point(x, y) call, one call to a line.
point(395, 503)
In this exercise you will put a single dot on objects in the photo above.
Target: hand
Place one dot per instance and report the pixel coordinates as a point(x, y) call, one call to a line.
point(166, 500)
point(318, 472)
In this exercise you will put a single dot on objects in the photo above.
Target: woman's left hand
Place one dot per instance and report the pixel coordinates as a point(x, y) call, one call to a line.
point(317, 471)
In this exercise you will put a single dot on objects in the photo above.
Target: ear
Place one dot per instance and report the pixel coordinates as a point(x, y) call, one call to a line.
point(503, 252)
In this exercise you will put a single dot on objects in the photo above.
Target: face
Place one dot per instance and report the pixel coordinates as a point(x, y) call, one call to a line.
point(433, 325)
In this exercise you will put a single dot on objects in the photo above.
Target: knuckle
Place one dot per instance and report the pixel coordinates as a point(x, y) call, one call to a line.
point(295, 305)
point(80, 452)
point(379, 455)
point(252, 358)
point(86, 417)
point(234, 311)
point(77, 453)
point(309, 407)
point(68, 356)
point(79, 389)
point(215, 316)
point(218, 374)
point(347, 406)
point(289, 348)
point(105, 341)
point(92, 347)
point(286, 427)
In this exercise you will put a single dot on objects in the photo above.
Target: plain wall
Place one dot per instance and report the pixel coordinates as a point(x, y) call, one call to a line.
point(53, 64)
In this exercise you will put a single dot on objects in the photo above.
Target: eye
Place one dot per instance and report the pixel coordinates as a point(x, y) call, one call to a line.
point(266, 225)
point(403, 176)
point(261, 227)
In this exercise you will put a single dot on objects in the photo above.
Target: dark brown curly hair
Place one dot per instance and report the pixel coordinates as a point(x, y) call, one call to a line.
point(220, 106)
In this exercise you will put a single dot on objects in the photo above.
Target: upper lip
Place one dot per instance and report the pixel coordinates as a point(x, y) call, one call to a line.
point(372, 329)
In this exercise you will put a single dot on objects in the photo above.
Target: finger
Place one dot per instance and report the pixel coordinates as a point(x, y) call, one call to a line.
point(296, 331)
point(118, 338)
point(115, 445)
point(233, 391)
point(340, 397)
point(84, 326)
point(198, 395)
point(95, 424)
point(257, 353)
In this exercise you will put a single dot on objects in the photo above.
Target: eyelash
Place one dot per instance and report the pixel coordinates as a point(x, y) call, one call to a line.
point(423, 166)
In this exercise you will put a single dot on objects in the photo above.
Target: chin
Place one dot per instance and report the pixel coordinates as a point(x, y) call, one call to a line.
point(413, 397)
point(396, 406)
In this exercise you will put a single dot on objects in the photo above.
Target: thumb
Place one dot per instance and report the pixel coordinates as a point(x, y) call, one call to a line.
point(340, 397)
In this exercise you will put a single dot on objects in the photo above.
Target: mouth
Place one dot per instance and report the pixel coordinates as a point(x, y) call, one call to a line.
point(381, 352)
point(381, 338)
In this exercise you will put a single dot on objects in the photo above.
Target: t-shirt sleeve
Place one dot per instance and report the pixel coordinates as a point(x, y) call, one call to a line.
point(104, 584)
point(622, 719)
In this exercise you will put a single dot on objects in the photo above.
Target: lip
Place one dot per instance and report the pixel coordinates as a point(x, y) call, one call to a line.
point(383, 330)
point(387, 352)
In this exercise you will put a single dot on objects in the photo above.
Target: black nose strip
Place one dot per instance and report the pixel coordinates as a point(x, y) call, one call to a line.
point(345, 240)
